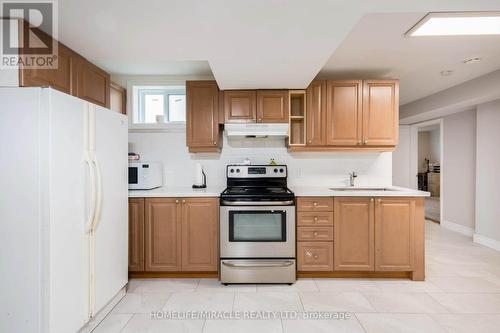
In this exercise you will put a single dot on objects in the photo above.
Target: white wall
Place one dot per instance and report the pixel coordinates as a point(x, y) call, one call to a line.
point(459, 168)
point(487, 173)
point(322, 169)
point(435, 146)
point(401, 159)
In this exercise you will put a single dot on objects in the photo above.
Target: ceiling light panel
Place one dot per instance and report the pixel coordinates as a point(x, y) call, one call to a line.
point(457, 24)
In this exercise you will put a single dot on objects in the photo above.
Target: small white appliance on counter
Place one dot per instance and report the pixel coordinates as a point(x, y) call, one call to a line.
point(145, 175)
point(64, 211)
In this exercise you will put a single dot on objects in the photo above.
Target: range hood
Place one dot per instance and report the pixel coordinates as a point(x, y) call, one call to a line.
point(257, 130)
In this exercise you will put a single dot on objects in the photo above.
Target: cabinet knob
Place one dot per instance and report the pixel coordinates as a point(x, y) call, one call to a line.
point(183, 201)
point(214, 143)
point(176, 201)
point(365, 142)
point(360, 142)
point(260, 119)
point(315, 256)
point(371, 200)
point(315, 219)
point(309, 141)
point(379, 201)
point(315, 233)
point(315, 203)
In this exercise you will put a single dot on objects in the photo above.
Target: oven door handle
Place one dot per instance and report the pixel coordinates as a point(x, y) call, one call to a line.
point(285, 263)
point(257, 203)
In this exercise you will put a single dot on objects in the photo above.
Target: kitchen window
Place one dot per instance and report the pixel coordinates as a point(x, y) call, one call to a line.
point(158, 107)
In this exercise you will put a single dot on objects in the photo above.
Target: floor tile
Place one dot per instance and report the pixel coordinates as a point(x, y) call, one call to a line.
point(335, 301)
point(113, 323)
point(466, 284)
point(207, 285)
point(267, 301)
point(299, 285)
point(398, 323)
point(404, 303)
point(141, 303)
point(469, 323)
point(346, 285)
point(144, 324)
point(349, 325)
point(405, 286)
point(199, 301)
point(468, 303)
point(166, 285)
point(243, 326)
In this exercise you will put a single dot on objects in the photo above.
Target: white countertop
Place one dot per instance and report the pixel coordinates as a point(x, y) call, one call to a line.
point(391, 191)
point(177, 191)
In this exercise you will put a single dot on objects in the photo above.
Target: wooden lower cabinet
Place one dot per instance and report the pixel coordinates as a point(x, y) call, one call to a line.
point(314, 256)
point(354, 228)
point(200, 219)
point(181, 234)
point(163, 235)
point(136, 234)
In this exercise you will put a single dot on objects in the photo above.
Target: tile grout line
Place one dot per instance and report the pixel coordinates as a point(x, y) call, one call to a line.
point(128, 321)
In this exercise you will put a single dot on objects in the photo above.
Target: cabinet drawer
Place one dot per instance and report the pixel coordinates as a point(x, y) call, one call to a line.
point(314, 234)
point(315, 204)
point(315, 256)
point(310, 219)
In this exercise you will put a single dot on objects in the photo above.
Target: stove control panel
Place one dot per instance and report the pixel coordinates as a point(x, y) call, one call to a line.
point(256, 171)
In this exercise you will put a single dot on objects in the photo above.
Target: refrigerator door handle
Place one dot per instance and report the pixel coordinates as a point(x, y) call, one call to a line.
point(90, 220)
point(97, 217)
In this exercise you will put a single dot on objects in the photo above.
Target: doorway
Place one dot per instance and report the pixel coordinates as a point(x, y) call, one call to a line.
point(427, 164)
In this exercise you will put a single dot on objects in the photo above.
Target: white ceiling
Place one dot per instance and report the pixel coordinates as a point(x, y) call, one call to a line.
point(376, 47)
point(248, 44)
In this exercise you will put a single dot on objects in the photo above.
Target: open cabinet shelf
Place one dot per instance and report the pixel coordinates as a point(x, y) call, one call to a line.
point(297, 135)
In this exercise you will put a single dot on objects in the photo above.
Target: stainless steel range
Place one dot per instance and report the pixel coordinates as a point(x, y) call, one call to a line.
point(257, 226)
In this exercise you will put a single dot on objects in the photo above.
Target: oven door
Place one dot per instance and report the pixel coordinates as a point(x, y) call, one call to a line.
point(257, 232)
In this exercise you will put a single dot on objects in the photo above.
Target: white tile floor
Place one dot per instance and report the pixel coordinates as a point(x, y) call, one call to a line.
point(461, 294)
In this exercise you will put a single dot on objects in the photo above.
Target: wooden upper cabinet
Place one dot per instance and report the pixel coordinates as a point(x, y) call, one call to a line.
point(136, 234)
point(117, 98)
point(394, 234)
point(354, 232)
point(343, 113)
point(90, 82)
point(200, 219)
point(162, 235)
point(315, 113)
point(272, 106)
point(239, 106)
point(202, 116)
point(380, 112)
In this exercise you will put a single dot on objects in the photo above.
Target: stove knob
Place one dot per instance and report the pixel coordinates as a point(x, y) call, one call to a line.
point(281, 170)
point(232, 170)
point(238, 170)
point(275, 170)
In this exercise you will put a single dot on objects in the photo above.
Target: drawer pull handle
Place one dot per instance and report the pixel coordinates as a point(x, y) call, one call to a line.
point(315, 203)
point(315, 219)
point(315, 256)
point(315, 233)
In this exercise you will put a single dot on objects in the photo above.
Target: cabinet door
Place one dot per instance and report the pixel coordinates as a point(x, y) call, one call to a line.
point(353, 234)
point(117, 98)
point(272, 106)
point(90, 82)
point(202, 115)
point(59, 78)
point(343, 113)
point(380, 112)
point(239, 106)
point(315, 113)
point(394, 234)
point(136, 234)
point(315, 256)
point(163, 235)
point(200, 218)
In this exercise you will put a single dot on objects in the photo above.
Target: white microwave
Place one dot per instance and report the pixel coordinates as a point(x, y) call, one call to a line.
point(145, 175)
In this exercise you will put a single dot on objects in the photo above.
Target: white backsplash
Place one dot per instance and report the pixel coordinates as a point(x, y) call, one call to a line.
point(305, 169)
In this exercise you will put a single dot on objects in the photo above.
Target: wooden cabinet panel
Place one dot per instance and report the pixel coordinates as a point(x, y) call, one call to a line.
point(272, 106)
point(202, 115)
point(343, 113)
point(163, 235)
point(310, 219)
point(315, 113)
point(314, 204)
point(136, 234)
point(200, 219)
point(90, 82)
point(314, 234)
point(314, 256)
point(117, 98)
point(60, 78)
point(354, 234)
point(380, 112)
point(239, 106)
point(394, 234)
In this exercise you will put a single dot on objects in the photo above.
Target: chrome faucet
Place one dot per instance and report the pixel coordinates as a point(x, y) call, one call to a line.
point(352, 176)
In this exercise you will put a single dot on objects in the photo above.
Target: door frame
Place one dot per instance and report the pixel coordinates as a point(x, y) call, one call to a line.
point(414, 129)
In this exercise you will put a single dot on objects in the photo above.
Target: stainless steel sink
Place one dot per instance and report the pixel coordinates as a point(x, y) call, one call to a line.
point(357, 189)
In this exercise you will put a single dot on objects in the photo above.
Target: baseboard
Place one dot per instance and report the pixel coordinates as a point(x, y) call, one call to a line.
point(466, 231)
point(486, 241)
point(92, 324)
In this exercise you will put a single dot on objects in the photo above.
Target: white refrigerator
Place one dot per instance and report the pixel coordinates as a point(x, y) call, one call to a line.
point(63, 210)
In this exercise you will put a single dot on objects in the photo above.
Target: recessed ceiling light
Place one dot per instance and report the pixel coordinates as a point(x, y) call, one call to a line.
point(457, 24)
point(472, 60)
point(446, 72)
